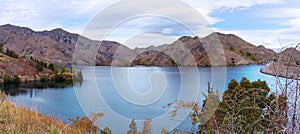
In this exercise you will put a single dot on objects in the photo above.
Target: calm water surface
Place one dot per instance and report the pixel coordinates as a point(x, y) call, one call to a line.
point(130, 92)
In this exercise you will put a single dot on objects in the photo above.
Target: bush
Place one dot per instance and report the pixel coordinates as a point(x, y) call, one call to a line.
point(9, 79)
point(84, 123)
point(58, 78)
point(45, 78)
point(67, 76)
point(39, 67)
point(51, 66)
point(11, 53)
point(1, 48)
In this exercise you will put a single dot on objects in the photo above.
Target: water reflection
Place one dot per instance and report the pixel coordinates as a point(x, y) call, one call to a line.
point(60, 100)
point(14, 89)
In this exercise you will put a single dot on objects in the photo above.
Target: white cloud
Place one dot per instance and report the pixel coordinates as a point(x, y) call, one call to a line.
point(149, 39)
point(288, 19)
point(42, 15)
point(73, 15)
point(267, 38)
point(206, 7)
point(167, 31)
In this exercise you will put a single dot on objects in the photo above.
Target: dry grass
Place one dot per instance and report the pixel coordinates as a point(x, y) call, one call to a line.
point(15, 120)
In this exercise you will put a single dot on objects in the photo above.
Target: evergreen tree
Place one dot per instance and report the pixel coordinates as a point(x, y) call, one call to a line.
point(132, 128)
point(63, 69)
point(1, 48)
point(242, 109)
point(106, 130)
point(51, 66)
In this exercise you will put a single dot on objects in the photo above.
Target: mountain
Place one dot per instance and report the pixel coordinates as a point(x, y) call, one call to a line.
point(236, 51)
point(55, 46)
point(291, 54)
point(58, 46)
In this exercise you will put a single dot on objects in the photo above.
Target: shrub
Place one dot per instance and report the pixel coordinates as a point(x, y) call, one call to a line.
point(84, 123)
point(11, 79)
point(45, 78)
point(11, 53)
point(67, 76)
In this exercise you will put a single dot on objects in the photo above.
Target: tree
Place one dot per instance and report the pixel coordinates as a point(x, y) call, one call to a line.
point(1, 48)
point(39, 67)
point(11, 79)
point(147, 127)
point(231, 48)
point(206, 116)
point(55, 70)
point(164, 130)
point(232, 61)
point(63, 69)
point(11, 53)
point(242, 109)
point(79, 76)
point(106, 130)
point(232, 84)
point(84, 123)
point(51, 66)
point(67, 76)
point(132, 128)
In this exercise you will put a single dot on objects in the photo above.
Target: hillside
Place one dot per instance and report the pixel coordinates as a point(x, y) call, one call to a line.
point(236, 50)
point(16, 69)
point(57, 46)
point(291, 54)
point(20, 70)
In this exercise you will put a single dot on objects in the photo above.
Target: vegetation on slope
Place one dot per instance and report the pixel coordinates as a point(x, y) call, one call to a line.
point(16, 69)
point(15, 120)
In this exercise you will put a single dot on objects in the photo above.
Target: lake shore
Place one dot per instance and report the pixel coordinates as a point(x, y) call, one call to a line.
point(282, 70)
point(14, 119)
point(53, 100)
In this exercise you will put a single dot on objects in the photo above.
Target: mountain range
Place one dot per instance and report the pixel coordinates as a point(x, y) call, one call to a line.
point(58, 46)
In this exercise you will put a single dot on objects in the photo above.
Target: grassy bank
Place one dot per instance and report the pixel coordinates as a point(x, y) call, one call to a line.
point(15, 120)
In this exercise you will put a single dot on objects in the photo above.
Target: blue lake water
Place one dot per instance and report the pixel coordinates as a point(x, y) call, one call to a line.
point(123, 93)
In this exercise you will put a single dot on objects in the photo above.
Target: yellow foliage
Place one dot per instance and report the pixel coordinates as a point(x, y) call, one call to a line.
point(67, 76)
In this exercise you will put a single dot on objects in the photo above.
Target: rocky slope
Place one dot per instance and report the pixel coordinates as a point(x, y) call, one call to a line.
point(205, 52)
point(25, 70)
point(57, 46)
point(291, 54)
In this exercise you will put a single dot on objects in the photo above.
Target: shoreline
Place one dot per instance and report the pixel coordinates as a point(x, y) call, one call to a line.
point(170, 66)
point(23, 120)
point(276, 69)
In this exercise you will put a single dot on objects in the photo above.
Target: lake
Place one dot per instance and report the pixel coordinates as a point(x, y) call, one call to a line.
point(123, 93)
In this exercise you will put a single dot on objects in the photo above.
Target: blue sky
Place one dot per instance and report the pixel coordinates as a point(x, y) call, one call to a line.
point(261, 22)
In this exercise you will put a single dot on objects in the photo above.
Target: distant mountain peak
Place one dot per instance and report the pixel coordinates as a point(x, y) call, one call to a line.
point(59, 30)
point(184, 38)
point(16, 29)
point(9, 25)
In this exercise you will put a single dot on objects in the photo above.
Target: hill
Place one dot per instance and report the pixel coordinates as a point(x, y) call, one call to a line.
point(20, 70)
point(236, 52)
point(291, 54)
point(58, 46)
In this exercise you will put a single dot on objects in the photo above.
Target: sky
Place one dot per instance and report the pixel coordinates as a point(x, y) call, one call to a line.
point(272, 23)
